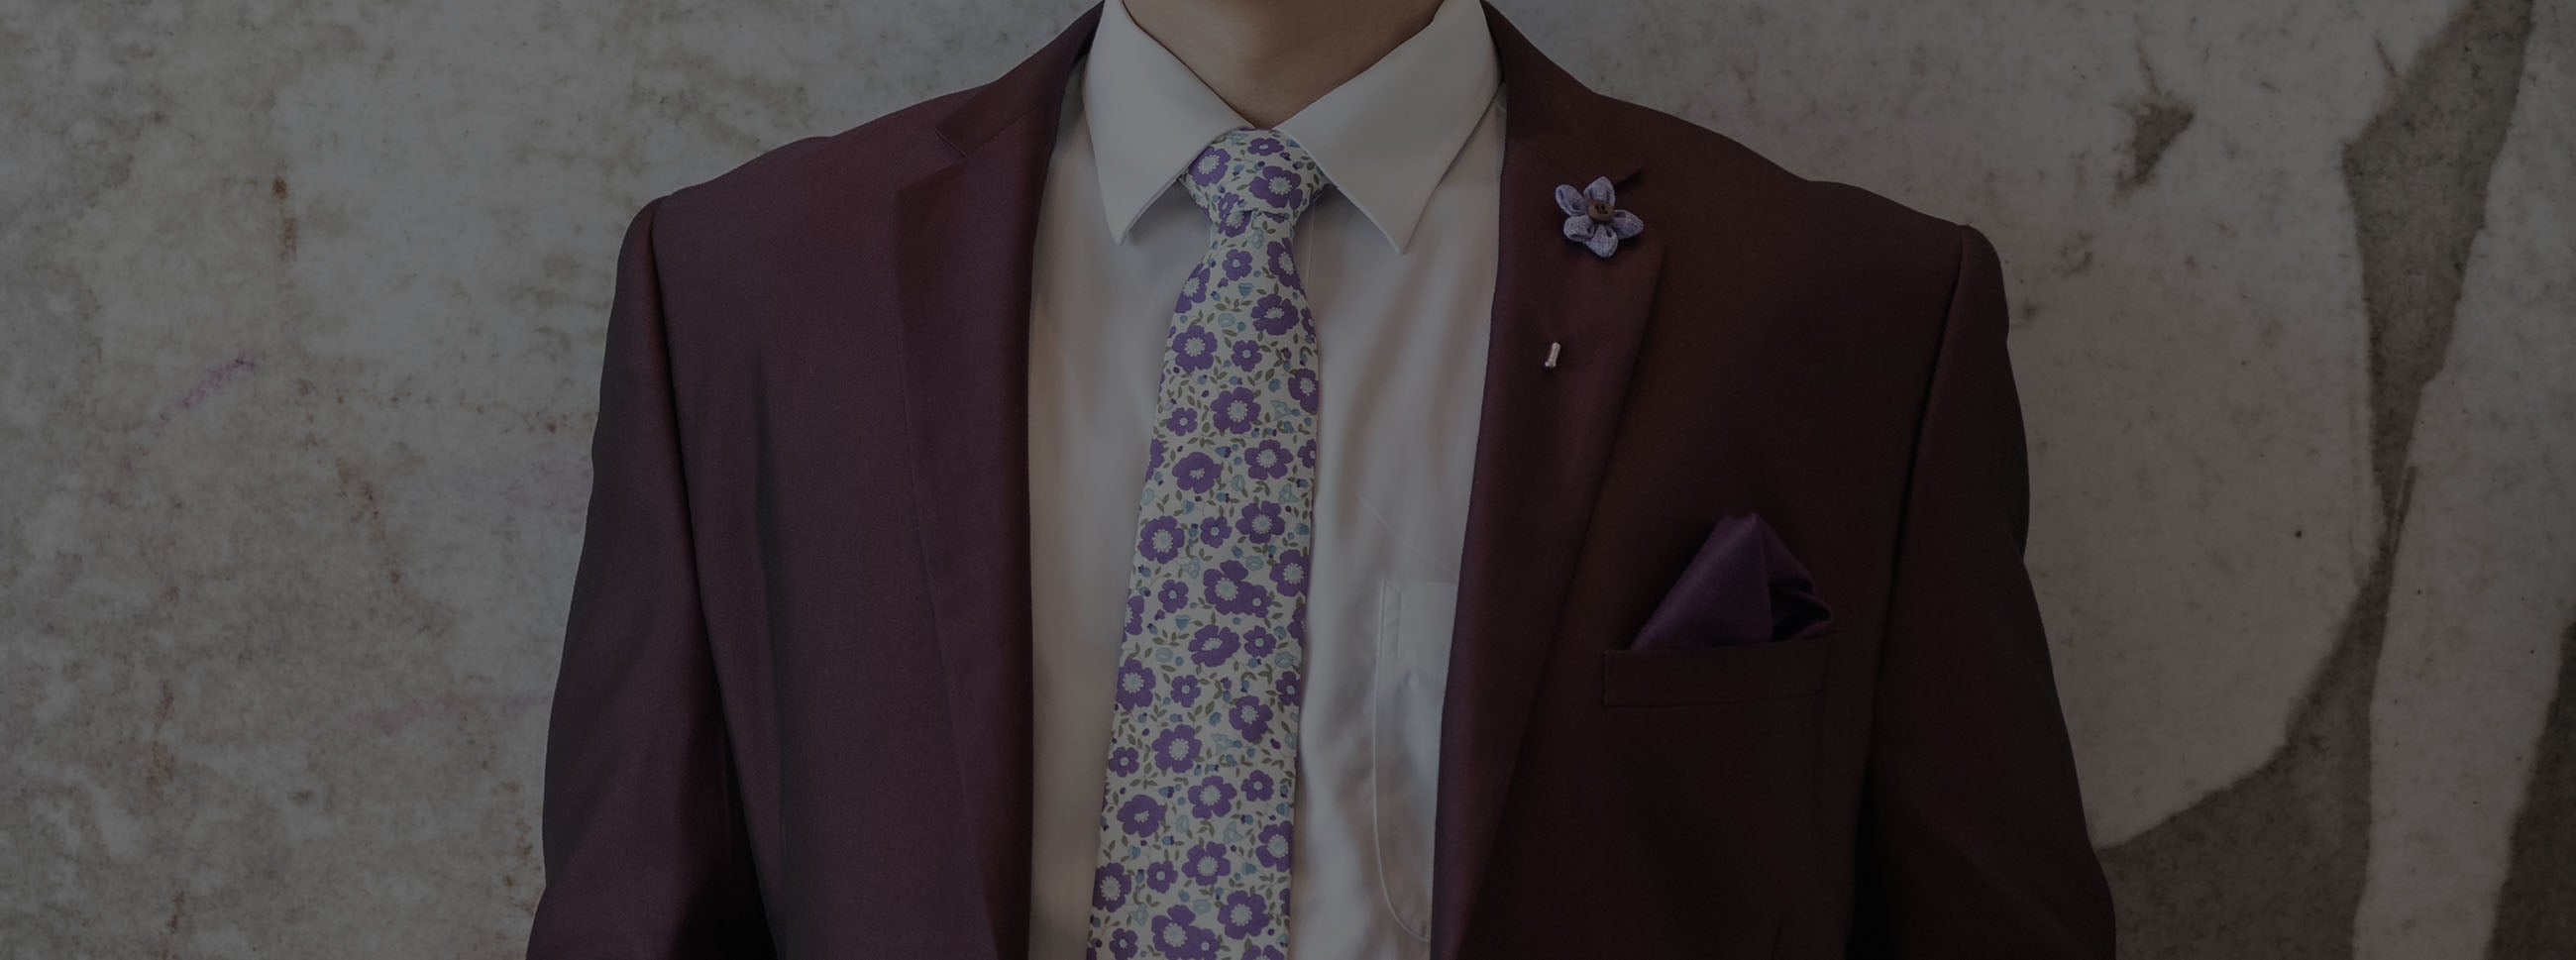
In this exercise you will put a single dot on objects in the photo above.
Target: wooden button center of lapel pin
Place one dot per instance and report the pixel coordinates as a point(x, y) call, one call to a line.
point(1599, 211)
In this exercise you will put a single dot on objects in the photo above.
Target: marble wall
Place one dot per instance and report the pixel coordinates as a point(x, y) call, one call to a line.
point(302, 305)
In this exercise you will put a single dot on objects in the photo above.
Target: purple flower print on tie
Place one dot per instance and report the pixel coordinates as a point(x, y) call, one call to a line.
point(1160, 876)
point(1235, 411)
point(1306, 454)
point(1185, 690)
point(1135, 614)
point(1302, 385)
point(1198, 471)
point(1141, 815)
point(1205, 864)
point(1213, 797)
point(1279, 187)
point(1212, 644)
point(1237, 263)
point(1243, 913)
point(1194, 348)
point(1193, 290)
point(1160, 540)
point(1592, 216)
point(1263, 146)
point(1247, 355)
point(1172, 594)
point(1135, 684)
point(1275, 846)
point(1251, 718)
point(1260, 522)
point(1283, 263)
point(1154, 455)
point(1177, 748)
point(1125, 761)
point(1258, 641)
point(1297, 623)
point(1210, 166)
point(1289, 686)
point(1257, 786)
point(1231, 217)
point(1109, 886)
point(1122, 944)
point(1274, 314)
point(1288, 574)
point(1212, 531)
point(1182, 421)
point(1267, 460)
point(1176, 937)
point(1229, 589)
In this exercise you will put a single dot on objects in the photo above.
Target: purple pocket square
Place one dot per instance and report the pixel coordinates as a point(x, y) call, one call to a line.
point(1742, 587)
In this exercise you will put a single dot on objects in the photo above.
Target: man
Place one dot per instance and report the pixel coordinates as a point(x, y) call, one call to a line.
point(1259, 454)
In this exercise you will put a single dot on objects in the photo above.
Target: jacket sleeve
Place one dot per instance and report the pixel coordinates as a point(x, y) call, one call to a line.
point(1972, 838)
point(645, 851)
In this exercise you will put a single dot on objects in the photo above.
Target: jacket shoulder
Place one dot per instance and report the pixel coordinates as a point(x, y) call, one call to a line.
point(783, 186)
point(1870, 277)
point(1731, 185)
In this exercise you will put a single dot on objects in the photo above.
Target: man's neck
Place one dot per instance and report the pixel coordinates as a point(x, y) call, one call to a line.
point(1268, 59)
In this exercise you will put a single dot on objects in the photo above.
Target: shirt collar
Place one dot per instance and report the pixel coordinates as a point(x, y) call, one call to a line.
point(1384, 137)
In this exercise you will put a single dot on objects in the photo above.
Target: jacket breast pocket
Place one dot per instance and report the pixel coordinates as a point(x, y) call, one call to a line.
point(1720, 673)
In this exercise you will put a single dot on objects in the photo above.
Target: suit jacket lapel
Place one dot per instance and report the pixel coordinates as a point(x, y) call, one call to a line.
point(963, 290)
point(1543, 439)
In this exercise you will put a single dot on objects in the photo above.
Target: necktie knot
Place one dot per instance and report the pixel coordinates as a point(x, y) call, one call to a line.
point(1252, 172)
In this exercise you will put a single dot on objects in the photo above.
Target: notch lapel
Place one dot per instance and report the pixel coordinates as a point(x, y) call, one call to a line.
point(1543, 438)
point(963, 272)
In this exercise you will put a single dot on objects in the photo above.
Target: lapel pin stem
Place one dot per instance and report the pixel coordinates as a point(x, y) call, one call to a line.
point(1552, 348)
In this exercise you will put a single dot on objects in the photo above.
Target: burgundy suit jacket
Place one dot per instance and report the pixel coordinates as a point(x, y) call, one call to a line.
point(793, 715)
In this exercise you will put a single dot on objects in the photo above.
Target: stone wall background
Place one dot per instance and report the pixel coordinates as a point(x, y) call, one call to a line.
point(302, 304)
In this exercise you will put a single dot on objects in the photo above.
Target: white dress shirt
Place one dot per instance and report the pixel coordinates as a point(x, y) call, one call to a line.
point(1398, 262)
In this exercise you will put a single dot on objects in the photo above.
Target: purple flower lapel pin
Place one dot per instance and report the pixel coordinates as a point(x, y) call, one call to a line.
point(1592, 216)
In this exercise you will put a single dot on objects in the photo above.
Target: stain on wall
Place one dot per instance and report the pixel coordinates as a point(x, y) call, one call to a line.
point(2536, 911)
point(2274, 864)
point(2155, 121)
point(2418, 177)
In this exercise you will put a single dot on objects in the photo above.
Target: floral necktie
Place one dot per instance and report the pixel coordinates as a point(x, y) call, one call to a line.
point(1195, 821)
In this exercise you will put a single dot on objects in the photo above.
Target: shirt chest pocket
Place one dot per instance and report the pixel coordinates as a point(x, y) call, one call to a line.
point(1413, 631)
